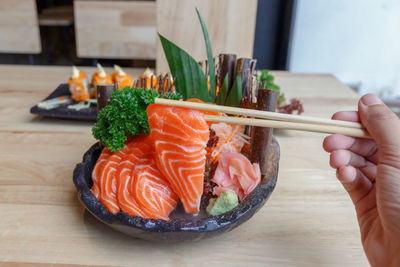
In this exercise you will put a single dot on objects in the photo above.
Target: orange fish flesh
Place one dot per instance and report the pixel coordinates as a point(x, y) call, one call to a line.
point(139, 150)
point(98, 168)
point(107, 182)
point(152, 191)
point(180, 137)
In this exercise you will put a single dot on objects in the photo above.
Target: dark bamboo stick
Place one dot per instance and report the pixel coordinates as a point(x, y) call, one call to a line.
point(253, 64)
point(104, 95)
point(144, 82)
point(239, 66)
point(220, 60)
point(228, 67)
point(242, 67)
point(261, 137)
point(248, 91)
point(161, 89)
point(169, 85)
point(165, 83)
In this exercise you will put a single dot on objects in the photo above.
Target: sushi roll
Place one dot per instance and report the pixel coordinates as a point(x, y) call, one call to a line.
point(78, 85)
point(101, 77)
point(121, 78)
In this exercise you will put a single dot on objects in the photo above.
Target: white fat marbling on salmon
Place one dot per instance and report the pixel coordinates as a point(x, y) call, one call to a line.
point(180, 137)
point(152, 190)
point(105, 154)
point(126, 200)
point(130, 181)
point(108, 188)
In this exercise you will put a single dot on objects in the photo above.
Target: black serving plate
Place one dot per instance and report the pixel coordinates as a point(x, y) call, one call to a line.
point(182, 227)
point(87, 114)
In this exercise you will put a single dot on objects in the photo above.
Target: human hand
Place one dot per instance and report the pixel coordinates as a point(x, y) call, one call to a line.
point(370, 172)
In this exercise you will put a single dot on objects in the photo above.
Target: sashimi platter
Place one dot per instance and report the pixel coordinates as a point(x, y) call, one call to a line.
point(164, 172)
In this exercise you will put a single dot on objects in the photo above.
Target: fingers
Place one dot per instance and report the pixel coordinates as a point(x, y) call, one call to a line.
point(384, 127)
point(370, 172)
point(340, 158)
point(354, 182)
point(345, 157)
point(380, 121)
point(363, 147)
point(346, 116)
point(338, 141)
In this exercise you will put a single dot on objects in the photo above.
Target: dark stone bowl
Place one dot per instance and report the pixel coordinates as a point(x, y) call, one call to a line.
point(182, 227)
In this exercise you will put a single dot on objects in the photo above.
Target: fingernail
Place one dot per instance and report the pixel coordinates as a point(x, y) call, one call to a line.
point(370, 100)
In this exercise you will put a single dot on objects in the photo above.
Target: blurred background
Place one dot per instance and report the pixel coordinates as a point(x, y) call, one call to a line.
point(357, 41)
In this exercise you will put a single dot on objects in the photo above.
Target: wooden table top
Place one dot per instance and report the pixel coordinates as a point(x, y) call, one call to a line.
point(308, 221)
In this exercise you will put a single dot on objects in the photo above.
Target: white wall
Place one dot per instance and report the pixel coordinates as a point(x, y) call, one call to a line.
point(356, 40)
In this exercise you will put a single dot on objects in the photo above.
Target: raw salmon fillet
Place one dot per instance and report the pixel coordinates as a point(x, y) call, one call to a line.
point(107, 182)
point(140, 150)
point(98, 168)
point(129, 180)
point(152, 191)
point(180, 137)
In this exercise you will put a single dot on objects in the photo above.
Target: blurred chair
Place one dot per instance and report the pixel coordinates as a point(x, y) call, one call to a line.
point(62, 19)
point(57, 16)
point(19, 29)
point(230, 24)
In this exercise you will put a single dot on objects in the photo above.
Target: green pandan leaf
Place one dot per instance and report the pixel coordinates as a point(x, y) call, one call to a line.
point(210, 58)
point(190, 79)
point(235, 96)
point(223, 91)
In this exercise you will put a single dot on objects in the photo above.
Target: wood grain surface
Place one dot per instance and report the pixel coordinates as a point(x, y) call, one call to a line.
point(19, 29)
point(231, 25)
point(115, 29)
point(308, 221)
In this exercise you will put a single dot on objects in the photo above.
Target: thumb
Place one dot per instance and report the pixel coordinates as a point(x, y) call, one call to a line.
point(382, 124)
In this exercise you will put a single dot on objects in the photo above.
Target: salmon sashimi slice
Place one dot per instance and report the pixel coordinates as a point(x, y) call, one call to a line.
point(152, 191)
point(139, 151)
point(180, 137)
point(105, 154)
point(107, 182)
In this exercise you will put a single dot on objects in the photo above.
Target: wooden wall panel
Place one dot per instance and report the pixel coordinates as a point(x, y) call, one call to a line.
point(115, 29)
point(230, 23)
point(19, 30)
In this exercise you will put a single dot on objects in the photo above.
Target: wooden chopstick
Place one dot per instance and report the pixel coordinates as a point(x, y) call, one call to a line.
point(319, 128)
point(258, 113)
point(273, 119)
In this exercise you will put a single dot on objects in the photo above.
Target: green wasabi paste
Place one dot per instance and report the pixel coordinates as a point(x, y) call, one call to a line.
point(224, 203)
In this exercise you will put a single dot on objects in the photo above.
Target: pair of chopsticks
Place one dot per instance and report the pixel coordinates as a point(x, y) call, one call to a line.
point(273, 119)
